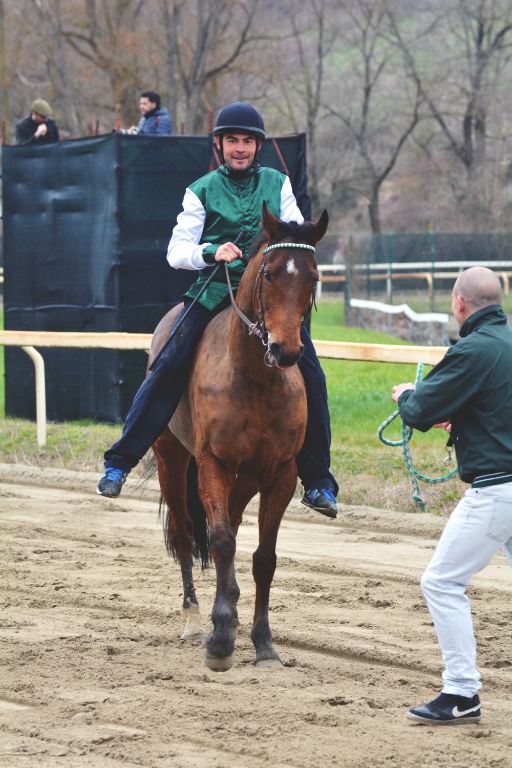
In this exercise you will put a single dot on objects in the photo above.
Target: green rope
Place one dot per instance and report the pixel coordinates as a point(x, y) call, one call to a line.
point(407, 433)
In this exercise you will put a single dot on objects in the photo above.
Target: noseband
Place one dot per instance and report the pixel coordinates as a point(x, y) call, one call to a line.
point(258, 329)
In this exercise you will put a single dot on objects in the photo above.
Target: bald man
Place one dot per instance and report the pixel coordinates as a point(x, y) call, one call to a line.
point(469, 393)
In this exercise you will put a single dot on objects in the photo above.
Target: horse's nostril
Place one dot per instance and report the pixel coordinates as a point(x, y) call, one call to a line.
point(276, 351)
point(282, 359)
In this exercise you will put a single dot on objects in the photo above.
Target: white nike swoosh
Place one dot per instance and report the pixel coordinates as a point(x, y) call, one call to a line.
point(456, 713)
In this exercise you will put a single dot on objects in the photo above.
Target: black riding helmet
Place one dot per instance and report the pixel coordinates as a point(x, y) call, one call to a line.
point(239, 118)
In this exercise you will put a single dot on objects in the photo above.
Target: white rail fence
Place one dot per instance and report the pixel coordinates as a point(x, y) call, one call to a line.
point(418, 270)
point(335, 350)
point(418, 320)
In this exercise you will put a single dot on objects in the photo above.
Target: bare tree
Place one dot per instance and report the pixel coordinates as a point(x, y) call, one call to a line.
point(109, 38)
point(460, 93)
point(379, 122)
point(210, 40)
point(51, 16)
point(301, 83)
point(171, 19)
point(4, 101)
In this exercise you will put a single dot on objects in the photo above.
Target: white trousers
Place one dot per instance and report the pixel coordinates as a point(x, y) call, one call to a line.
point(479, 526)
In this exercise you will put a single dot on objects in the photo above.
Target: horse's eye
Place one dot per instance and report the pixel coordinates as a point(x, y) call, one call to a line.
point(268, 277)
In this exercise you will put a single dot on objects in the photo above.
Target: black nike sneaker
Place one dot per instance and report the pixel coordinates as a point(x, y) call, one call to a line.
point(447, 709)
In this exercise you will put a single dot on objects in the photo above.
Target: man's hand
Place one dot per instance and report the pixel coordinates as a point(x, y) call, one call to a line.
point(446, 425)
point(132, 129)
point(228, 252)
point(397, 391)
point(41, 130)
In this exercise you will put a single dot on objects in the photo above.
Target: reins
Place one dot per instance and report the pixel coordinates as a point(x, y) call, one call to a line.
point(179, 323)
point(407, 433)
point(258, 329)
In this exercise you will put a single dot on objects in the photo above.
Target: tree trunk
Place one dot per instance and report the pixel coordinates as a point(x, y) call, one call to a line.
point(170, 24)
point(4, 96)
point(60, 65)
point(374, 208)
point(124, 91)
point(51, 17)
point(197, 111)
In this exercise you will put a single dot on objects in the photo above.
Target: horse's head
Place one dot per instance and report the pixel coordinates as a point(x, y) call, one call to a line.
point(285, 282)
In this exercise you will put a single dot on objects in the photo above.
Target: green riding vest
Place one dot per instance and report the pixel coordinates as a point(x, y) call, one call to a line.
point(232, 203)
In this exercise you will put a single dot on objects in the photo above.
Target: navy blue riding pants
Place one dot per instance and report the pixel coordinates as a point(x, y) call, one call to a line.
point(161, 391)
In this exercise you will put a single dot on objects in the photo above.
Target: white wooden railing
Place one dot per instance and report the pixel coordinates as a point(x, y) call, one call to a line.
point(337, 350)
point(417, 270)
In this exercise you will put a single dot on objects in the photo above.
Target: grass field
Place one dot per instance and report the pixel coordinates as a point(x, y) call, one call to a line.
point(359, 400)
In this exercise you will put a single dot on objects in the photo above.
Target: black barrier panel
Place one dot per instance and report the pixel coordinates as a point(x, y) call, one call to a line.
point(86, 228)
point(293, 151)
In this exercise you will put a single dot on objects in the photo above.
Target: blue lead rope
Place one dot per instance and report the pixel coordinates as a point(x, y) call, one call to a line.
point(407, 433)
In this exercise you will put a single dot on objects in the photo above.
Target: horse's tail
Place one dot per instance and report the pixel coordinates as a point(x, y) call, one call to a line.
point(197, 513)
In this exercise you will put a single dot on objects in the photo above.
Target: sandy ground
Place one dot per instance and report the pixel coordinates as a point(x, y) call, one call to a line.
point(94, 672)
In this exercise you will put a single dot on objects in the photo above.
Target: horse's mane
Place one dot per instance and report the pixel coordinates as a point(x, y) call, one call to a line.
point(301, 233)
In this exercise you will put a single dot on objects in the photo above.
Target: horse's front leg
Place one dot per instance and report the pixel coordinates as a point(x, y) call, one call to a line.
point(215, 484)
point(243, 491)
point(274, 500)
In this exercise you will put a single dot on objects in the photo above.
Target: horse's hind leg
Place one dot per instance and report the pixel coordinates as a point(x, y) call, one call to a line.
point(245, 488)
point(274, 500)
point(173, 460)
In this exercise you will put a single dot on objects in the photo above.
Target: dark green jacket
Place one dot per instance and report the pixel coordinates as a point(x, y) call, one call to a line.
point(232, 202)
point(472, 388)
point(26, 129)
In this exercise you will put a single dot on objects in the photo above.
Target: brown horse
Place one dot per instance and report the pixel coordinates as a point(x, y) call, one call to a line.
point(243, 417)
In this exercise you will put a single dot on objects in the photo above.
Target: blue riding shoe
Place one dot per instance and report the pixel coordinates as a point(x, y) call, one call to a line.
point(322, 501)
point(111, 484)
point(448, 709)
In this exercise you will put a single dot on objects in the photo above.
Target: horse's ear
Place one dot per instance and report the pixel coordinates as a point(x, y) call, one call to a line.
point(321, 226)
point(270, 224)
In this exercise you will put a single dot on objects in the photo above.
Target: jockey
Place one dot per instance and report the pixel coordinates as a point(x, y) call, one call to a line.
point(215, 209)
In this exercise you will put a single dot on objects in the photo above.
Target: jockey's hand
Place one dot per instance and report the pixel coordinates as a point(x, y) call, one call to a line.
point(228, 252)
point(397, 391)
point(446, 425)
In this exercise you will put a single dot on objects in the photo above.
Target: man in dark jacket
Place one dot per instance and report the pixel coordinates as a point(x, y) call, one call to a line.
point(470, 393)
point(155, 120)
point(39, 127)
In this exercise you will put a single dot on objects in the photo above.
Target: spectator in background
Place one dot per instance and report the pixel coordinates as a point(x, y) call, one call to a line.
point(155, 120)
point(38, 127)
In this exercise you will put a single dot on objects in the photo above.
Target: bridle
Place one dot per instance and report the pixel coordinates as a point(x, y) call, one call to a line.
point(258, 329)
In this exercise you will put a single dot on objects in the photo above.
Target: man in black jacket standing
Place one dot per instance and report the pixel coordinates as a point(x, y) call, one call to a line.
point(470, 393)
point(39, 127)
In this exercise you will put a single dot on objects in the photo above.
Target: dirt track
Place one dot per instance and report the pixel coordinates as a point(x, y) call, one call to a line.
point(94, 672)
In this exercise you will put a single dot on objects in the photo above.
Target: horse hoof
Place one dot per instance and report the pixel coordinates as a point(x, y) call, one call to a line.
point(194, 634)
point(218, 665)
point(268, 663)
point(194, 630)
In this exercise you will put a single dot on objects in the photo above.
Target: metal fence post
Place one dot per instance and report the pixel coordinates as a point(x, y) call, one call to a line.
point(368, 280)
point(390, 261)
point(433, 258)
point(348, 282)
